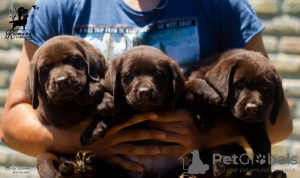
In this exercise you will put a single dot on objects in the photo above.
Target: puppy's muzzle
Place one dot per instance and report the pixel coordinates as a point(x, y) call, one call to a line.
point(64, 87)
point(62, 82)
point(144, 93)
point(251, 108)
point(66, 83)
point(145, 98)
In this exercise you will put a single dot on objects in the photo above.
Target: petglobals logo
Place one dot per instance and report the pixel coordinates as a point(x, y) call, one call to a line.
point(258, 159)
point(193, 165)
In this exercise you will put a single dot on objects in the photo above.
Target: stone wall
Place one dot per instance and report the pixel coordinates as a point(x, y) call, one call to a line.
point(12, 163)
point(282, 41)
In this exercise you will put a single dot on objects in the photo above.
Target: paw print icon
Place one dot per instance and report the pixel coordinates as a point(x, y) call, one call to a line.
point(261, 159)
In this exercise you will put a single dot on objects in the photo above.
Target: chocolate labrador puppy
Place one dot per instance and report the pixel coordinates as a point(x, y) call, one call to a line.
point(142, 79)
point(247, 84)
point(66, 85)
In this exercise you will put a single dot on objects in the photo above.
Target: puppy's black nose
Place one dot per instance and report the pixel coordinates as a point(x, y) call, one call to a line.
point(61, 81)
point(251, 108)
point(144, 91)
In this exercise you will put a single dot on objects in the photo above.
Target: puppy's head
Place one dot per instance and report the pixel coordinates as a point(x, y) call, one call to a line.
point(145, 78)
point(61, 69)
point(249, 84)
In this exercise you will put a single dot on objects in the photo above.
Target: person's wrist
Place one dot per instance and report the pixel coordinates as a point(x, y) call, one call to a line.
point(63, 141)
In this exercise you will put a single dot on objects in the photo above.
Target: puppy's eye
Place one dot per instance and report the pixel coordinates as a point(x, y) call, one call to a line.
point(158, 73)
point(45, 68)
point(77, 63)
point(128, 77)
point(239, 85)
point(265, 87)
point(129, 74)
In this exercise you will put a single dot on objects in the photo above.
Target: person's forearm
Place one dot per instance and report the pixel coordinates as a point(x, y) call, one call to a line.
point(283, 126)
point(35, 137)
point(28, 136)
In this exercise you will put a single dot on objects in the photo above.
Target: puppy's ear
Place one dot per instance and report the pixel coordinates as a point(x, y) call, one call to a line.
point(31, 84)
point(113, 81)
point(220, 78)
point(278, 99)
point(178, 79)
point(176, 87)
point(96, 62)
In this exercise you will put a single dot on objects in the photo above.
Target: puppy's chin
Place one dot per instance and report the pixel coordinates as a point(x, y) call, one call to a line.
point(149, 102)
point(246, 117)
point(61, 97)
point(143, 105)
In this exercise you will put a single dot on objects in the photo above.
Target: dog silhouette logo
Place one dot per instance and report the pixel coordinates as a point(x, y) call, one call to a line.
point(195, 164)
point(22, 14)
point(19, 18)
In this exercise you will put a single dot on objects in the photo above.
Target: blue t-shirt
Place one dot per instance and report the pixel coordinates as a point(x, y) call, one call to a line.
point(187, 30)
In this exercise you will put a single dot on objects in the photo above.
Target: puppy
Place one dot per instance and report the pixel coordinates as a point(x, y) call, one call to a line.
point(143, 79)
point(248, 85)
point(66, 85)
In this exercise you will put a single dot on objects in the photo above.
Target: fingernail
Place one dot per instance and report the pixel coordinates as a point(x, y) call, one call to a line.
point(155, 150)
point(140, 169)
point(153, 116)
point(161, 135)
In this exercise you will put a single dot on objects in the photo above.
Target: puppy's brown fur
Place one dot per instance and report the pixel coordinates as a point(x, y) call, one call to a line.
point(66, 85)
point(143, 79)
point(66, 76)
point(140, 79)
point(246, 83)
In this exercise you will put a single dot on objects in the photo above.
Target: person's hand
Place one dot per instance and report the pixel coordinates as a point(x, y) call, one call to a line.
point(180, 129)
point(118, 141)
point(175, 127)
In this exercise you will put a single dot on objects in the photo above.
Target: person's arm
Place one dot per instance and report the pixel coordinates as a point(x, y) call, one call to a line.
point(18, 116)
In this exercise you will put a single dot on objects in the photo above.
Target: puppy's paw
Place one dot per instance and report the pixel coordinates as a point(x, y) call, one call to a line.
point(96, 90)
point(99, 132)
point(106, 107)
point(191, 89)
point(85, 161)
point(198, 91)
point(66, 170)
point(94, 131)
point(90, 94)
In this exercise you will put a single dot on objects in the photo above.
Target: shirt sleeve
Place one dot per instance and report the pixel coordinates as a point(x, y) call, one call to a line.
point(238, 23)
point(44, 23)
point(55, 17)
